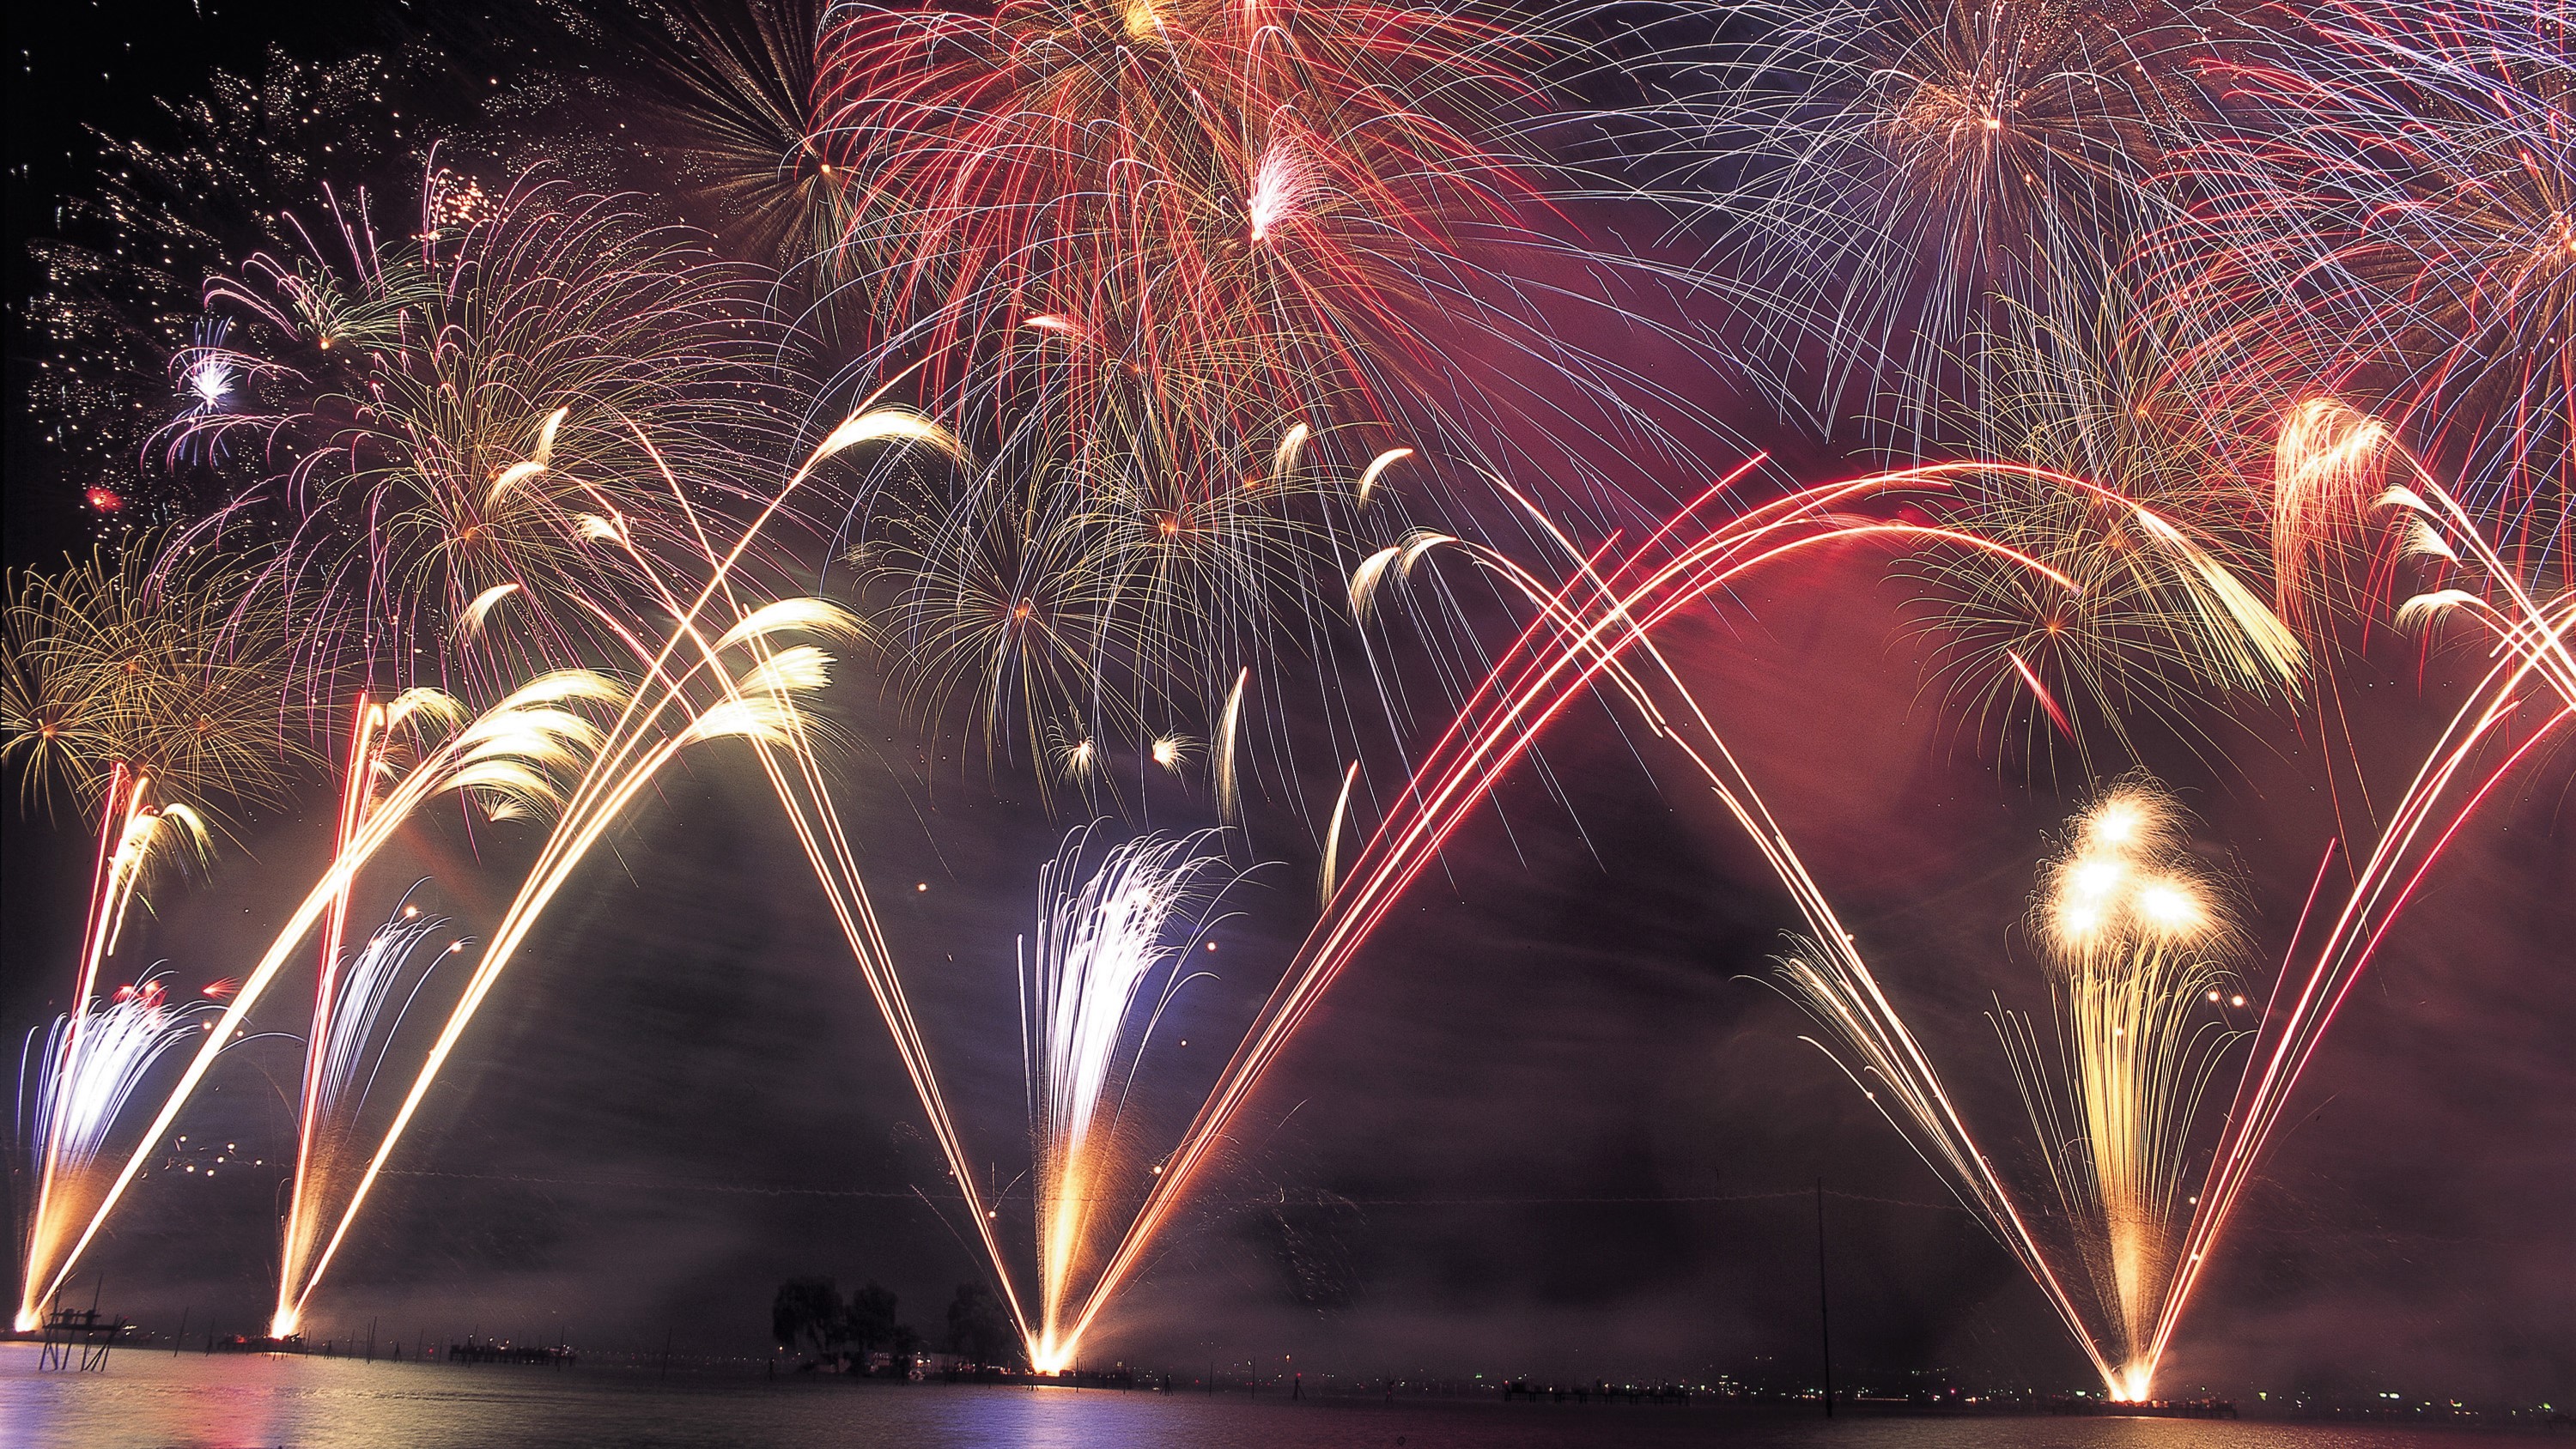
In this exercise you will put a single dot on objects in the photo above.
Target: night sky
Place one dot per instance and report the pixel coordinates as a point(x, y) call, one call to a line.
point(1550, 1122)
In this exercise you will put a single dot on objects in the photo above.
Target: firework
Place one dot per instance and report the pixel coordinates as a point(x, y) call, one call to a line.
point(1884, 172)
point(737, 95)
point(91, 1064)
point(2401, 231)
point(630, 754)
point(343, 1013)
point(1092, 603)
point(741, 686)
point(2139, 939)
point(1581, 639)
point(1100, 943)
point(2128, 487)
point(2142, 946)
point(1199, 302)
point(505, 757)
point(161, 660)
point(1226, 205)
point(1175, 271)
point(346, 1043)
point(118, 297)
point(84, 1083)
point(2523, 704)
point(454, 421)
point(2139, 943)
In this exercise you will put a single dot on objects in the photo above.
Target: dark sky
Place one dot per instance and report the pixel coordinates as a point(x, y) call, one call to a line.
point(1543, 1125)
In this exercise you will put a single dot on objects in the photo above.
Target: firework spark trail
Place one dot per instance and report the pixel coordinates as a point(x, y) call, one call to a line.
point(344, 1027)
point(2139, 940)
point(93, 1060)
point(1564, 654)
point(2472, 756)
point(376, 731)
point(1098, 945)
point(2125, 1180)
point(507, 753)
point(130, 828)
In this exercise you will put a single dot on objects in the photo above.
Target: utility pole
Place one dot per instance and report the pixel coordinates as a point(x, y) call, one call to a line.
point(1824, 1301)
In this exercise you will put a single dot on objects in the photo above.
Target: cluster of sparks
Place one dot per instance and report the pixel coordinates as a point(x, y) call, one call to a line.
point(1125, 351)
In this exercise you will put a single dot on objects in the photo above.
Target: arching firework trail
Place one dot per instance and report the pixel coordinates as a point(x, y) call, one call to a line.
point(1581, 640)
point(505, 757)
point(1193, 293)
point(1100, 943)
point(657, 725)
point(2524, 705)
point(2334, 472)
point(741, 686)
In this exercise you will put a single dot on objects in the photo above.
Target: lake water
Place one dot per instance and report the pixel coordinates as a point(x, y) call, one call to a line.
point(235, 1402)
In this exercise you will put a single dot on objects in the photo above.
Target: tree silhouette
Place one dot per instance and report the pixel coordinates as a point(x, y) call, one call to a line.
point(869, 1326)
point(979, 1331)
point(808, 1313)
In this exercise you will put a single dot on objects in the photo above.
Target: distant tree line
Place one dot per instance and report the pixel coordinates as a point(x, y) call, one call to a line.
point(809, 1316)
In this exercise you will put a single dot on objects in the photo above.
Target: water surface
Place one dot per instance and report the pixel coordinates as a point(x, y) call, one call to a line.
point(149, 1398)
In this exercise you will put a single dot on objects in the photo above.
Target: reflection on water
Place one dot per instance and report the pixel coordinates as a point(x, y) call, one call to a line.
point(234, 1402)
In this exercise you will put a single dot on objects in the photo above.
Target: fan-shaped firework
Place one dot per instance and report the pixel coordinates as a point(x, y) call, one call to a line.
point(1592, 632)
point(1203, 307)
point(1100, 944)
point(2119, 900)
point(509, 754)
point(88, 1067)
point(2142, 949)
